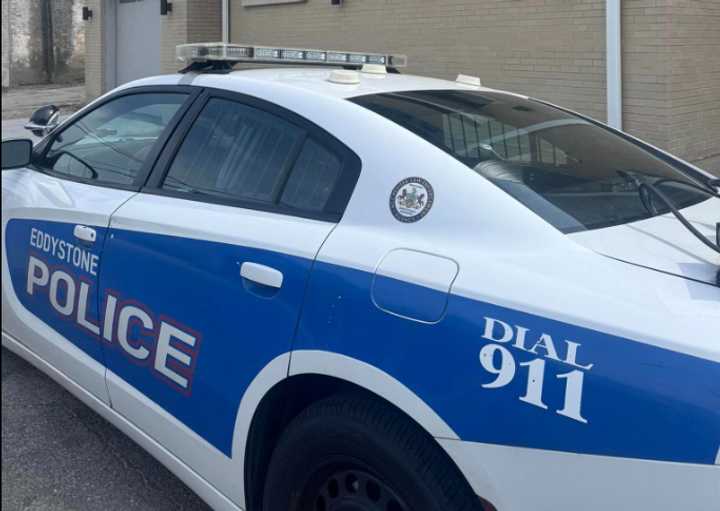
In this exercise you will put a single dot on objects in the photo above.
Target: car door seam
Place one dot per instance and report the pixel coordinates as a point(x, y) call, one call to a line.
point(98, 287)
point(301, 310)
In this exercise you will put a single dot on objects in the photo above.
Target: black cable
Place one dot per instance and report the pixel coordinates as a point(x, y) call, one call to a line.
point(690, 227)
point(641, 185)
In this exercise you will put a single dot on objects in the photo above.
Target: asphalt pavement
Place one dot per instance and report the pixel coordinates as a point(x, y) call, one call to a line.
point(21, 102)
point(59, 455)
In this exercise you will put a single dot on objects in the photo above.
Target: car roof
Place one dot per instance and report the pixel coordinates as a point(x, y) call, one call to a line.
point(314, 80)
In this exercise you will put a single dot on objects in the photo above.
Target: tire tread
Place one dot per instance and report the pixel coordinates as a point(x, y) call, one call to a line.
point(424, 456)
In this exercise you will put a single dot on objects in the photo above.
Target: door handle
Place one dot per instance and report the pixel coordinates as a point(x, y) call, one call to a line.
point(261, 274)
point(85, 233)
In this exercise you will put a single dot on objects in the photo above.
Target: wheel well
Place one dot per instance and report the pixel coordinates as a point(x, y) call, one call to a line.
point(278, 408)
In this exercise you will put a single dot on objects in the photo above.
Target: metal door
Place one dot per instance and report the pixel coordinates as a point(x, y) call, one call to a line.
point(138, 39)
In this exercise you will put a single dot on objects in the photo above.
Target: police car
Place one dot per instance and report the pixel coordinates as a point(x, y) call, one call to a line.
point(331, 286)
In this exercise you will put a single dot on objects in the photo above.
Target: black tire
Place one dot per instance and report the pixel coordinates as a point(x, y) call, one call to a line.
point(350, 452)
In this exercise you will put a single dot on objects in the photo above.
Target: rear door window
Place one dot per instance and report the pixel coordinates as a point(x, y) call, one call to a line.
point(313, 178)
point(238, 154)
point(235, 151)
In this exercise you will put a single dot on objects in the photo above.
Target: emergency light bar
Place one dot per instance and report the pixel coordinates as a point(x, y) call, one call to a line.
point(235, 53)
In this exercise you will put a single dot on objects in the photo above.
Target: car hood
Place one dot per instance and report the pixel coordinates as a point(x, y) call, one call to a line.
point(663, 243)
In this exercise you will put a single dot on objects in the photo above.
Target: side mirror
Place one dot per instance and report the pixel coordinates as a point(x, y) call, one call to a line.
point(16, 153)
point(44, 120)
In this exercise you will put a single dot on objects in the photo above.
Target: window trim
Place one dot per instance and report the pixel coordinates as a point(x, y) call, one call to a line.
point(41, 150)
point(338, 200)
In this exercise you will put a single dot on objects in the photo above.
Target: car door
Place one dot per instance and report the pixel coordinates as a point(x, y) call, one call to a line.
point(55, 216)
point(205, 270)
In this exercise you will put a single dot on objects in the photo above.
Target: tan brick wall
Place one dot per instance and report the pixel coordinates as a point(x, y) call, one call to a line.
point(551, 49)
point(693, 43)
point(711, 164)
point(173, 29)
point(94, 49)
point(205, 21)
point(190, 21)
point(645, 26)
point(671, 68)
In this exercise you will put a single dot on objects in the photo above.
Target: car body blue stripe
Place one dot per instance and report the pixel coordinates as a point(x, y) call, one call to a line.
point(18, 250)
point(640, 401)
point(409, 300)
point(199, 284)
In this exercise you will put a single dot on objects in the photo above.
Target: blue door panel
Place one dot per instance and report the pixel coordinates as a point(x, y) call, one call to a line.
point(196, 286)
point(42, 246)
point(639, 401)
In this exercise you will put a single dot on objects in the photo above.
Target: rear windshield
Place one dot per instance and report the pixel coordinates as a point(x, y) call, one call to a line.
point(573, 173)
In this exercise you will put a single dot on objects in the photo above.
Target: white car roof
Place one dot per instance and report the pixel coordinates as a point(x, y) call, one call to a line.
point(314, 80)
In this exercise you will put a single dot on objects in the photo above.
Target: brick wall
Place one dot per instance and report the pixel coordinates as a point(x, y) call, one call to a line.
point(646, 69)
point(190, 21)
point(95, 79)
point(205, 21)
point(693, 42)
point(551, 49)
point(671, 74)
point(174, 31)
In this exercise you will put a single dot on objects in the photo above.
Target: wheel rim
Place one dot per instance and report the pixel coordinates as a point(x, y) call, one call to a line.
point(352, 490)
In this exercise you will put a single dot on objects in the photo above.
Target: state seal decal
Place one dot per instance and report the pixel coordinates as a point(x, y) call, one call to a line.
point(411, 199)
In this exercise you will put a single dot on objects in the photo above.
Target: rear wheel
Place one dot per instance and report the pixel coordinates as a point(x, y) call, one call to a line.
point(352, 453)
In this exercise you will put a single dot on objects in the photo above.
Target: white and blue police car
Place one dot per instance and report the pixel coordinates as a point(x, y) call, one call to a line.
point(333, 287)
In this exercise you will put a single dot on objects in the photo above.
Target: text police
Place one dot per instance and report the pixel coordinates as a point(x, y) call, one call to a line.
point(170, 349)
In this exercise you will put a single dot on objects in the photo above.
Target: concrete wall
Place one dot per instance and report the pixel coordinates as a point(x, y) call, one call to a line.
point(43, 41)
point(5, 43)
point(69, 40)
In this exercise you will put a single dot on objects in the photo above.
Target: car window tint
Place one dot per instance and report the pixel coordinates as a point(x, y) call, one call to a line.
point(568, 170)
point(472, 135)
point(235, 151)
point(111, 144)
point(313, 178)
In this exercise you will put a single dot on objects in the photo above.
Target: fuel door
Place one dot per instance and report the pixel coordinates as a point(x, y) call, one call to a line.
point(414, 285)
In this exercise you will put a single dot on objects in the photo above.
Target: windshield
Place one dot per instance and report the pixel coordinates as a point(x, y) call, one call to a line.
point(571, 172)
